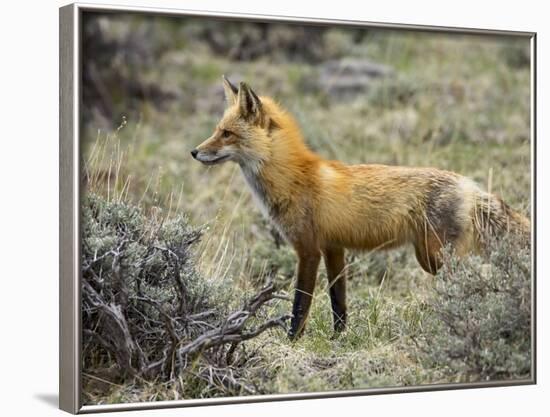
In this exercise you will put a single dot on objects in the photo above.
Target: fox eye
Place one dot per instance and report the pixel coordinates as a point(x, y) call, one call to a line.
point(226, 134)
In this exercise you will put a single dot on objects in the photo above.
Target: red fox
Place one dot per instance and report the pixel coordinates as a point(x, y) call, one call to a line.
point(322, 207)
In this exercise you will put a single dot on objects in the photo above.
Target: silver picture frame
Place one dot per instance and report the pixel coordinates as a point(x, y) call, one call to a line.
point(70, 18)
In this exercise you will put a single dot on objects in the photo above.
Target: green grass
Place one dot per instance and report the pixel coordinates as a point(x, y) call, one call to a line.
point(455, 102)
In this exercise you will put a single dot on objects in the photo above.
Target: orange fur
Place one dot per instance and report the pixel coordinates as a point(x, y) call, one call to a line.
point(322, 206)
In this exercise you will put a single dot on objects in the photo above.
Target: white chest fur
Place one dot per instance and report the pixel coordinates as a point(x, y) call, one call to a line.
point(270, 209)
point(258, 191)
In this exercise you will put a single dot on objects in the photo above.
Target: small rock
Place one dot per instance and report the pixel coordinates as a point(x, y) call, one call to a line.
point(346, 78)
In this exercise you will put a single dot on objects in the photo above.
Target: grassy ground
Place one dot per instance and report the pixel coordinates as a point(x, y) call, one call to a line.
point(454, 102)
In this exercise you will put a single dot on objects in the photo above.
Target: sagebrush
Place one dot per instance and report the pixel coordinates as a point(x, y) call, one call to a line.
point(147, 315)
point(480, 328)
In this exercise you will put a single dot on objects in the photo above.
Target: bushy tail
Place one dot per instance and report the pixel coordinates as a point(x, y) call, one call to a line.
point(492, 216)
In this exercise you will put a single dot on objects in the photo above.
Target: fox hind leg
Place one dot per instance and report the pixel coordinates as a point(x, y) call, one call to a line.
point(428, 246)
point(427, 257)
point(427, 249)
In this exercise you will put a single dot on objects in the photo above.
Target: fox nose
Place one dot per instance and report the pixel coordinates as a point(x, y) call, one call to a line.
point(194, 153)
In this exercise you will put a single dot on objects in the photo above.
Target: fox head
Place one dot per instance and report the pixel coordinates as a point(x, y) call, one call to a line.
point(242, 134)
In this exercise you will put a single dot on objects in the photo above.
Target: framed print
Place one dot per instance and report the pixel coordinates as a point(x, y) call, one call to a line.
point(258, 208)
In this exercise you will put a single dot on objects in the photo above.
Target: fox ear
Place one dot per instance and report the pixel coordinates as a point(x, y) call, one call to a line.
point(230, 91)
point(249, 103)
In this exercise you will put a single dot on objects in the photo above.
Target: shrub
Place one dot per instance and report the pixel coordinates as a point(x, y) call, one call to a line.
point(148, 314)
point(481, 315)
point(268, 260)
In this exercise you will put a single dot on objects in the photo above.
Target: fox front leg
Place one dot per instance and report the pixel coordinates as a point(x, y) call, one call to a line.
point(336, 274)
point(308, 263)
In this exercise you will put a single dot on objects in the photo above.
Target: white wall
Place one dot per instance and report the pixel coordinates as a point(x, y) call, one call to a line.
point(28, 203)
